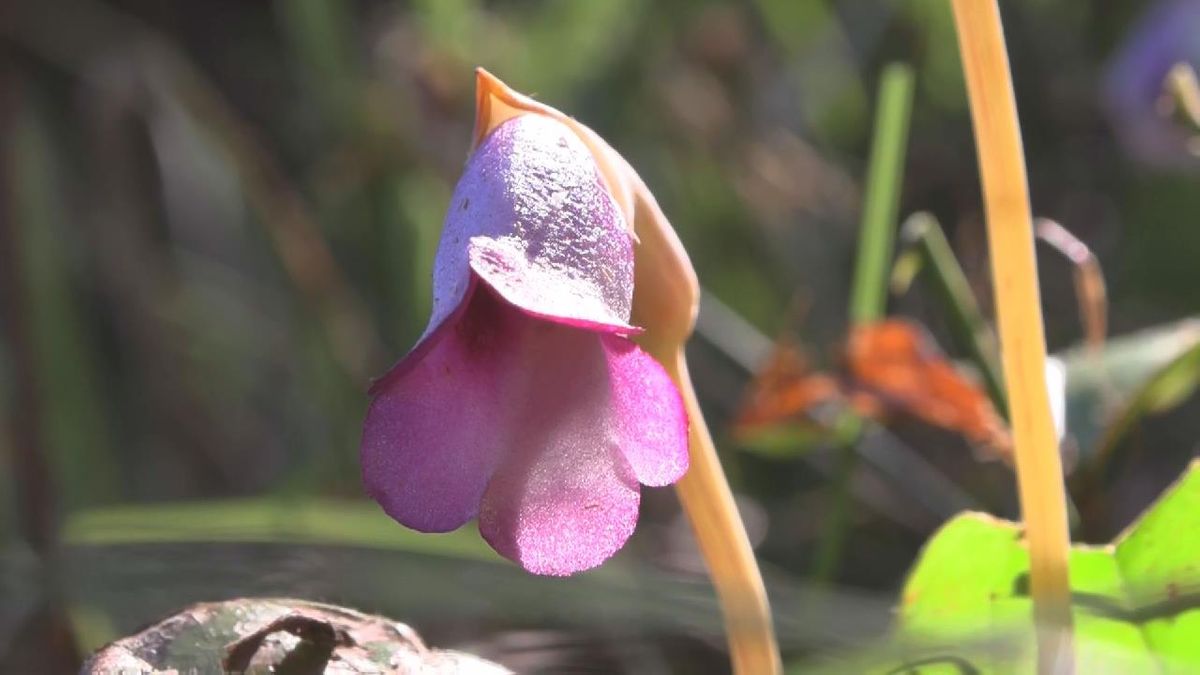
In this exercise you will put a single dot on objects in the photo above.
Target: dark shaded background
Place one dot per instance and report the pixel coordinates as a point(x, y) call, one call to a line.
point(217, 221)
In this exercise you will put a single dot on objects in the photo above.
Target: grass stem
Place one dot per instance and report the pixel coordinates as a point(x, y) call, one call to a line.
point(972, 333)
point(868, 297)
point(885, 174)
point(1091, 293)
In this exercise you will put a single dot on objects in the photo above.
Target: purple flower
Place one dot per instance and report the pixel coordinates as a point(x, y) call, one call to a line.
point(1168, 33)
point(525, 404)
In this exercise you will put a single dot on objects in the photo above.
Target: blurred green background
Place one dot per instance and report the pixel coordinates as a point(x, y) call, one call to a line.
point(217, 223)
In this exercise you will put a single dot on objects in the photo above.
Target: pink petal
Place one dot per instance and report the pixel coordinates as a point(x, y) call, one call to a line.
point(647, 417)
point(565, 500)
point(430, 442)
point(560, 509)
point(532, 218)
point(542, 429)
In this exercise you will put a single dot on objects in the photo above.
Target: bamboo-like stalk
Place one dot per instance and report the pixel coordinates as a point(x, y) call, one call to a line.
point(1018, 308)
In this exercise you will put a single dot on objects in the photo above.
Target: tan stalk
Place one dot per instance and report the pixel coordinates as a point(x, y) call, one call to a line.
point(664, 303)
point(665, 300)
point(1018, 309)
point(708, 502)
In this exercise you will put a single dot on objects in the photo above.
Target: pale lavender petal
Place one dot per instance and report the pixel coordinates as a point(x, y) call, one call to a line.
point(565, 500)
point(532, 217)
point(647, 419)
point(430, 440)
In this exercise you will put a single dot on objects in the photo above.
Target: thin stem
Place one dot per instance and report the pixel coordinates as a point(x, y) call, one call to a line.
point(1090, 290)
point(45, 639)
point(868, 298)
point(1018, 309)
point(708, 503)
point(37, 518)
point(967, 324)
point(837, 520)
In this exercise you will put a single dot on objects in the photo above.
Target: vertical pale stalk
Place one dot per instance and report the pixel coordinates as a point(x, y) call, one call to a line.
point(721, 535)
point(665, 301)
point(1018, 308)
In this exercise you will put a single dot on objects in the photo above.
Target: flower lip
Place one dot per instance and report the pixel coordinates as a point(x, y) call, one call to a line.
point(542, 431)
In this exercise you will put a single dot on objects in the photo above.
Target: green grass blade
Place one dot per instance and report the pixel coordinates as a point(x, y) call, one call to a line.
point(882, 199)
point(969, 329)
point(311, 521)
point(869, 294)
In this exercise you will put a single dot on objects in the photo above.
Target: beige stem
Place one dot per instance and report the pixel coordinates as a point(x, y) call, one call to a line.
point(709, 505)
point(1018, 309)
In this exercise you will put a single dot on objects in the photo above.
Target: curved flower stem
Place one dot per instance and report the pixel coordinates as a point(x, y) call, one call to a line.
point(1018, 309)
point(708, 503)
point(1090, 290)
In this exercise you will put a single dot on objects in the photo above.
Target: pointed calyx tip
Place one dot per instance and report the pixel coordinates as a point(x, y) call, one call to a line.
point(496, 103)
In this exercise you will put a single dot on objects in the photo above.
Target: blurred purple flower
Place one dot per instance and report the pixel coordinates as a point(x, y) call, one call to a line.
point(525, 403)
point(1168, 33)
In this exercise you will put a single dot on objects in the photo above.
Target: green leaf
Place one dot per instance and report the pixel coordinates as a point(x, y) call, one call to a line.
point(1166, 388)
point(1135, 375)
point(1137, 600)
